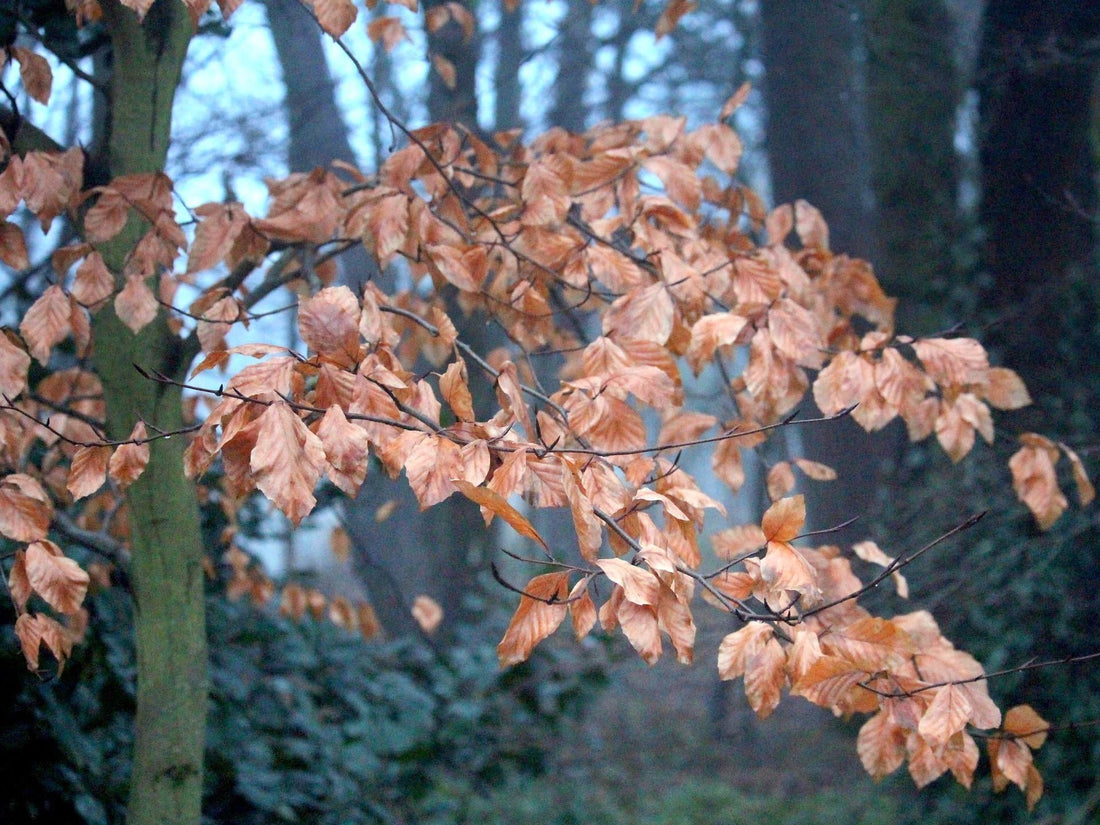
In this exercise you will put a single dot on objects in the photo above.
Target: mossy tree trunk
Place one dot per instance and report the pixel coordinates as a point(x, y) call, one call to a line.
point(166, 540)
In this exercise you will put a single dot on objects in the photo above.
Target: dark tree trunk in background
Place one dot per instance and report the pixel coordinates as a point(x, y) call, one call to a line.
point(509, 37)
point(574, 64)
point(818, 149)
point(1037, 68)
point(457, 103)
point(913, 93)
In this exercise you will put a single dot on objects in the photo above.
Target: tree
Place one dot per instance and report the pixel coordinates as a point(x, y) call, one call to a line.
point(630, 249)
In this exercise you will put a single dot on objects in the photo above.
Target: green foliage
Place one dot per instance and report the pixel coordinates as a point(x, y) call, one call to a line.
point(577, 800)
point(307, 723)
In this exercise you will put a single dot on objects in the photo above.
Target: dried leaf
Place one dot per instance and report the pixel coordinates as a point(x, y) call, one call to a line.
point(783, 520)
point(541, 610)
point(57, 579)
point(129, 460)
point(428, 613)
point(286, 461)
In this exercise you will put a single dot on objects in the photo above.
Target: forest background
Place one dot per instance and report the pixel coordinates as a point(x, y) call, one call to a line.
point(954, 144)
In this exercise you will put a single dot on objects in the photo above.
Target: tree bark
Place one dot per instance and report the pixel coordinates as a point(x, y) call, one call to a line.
point(1037, 66)
point(166, 538)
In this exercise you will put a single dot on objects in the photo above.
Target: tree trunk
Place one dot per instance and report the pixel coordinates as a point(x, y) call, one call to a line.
point(1037, 66)
point(818, 145)
point(457, 102)
point(574, 64)
point(913, 93)
point(166, 539)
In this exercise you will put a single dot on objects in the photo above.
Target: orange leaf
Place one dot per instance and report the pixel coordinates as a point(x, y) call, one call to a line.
point(1006, 391)
point(783, 520)
point(129, 460)
point(764, 679)
point(828, 681)
point(46, 323)
point(57, 579)
point(347, 450)
point(428, 613)
point(25, 509)
point(541, 610)
point(640, 626)
point(335, 16)
point(738, 649)
point(945, 716)
point(34, 71)
point(881, 745)
point(286, 460)
point(136, 304)
point(496, 504)
point(639, 585)
point(389, 31)
point(1023, 722)
point(1036, 484)
point(19, 586)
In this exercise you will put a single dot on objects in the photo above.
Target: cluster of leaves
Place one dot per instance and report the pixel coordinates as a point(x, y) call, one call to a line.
point(629, 251)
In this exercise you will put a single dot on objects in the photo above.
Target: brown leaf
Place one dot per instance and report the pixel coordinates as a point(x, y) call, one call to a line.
point(129, 460)
point(945, 716)
point(13, 246)
point(496, 504)
point(881, 745)
point(136, 305)
point(784, 519)
point(446, 70)
point(335, 16)
point(1036, 483)
point(581, 609)
point(25, 508)
point(738, 649)
point(1086, 492)
point(46, 323)
point(541, 610)
point(765, 677)
point(639, 585)
point(57, 579)
point(428, 613)
point(810, 225)
point(286, 461)
point(388, 31)
point(34, 71)
point(329, 324)
point(640, 626)
point(93, 283)
point(1023, 722)
point(953, 361)
point(19, 586)
point(1006, 390)
point(347, 450)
